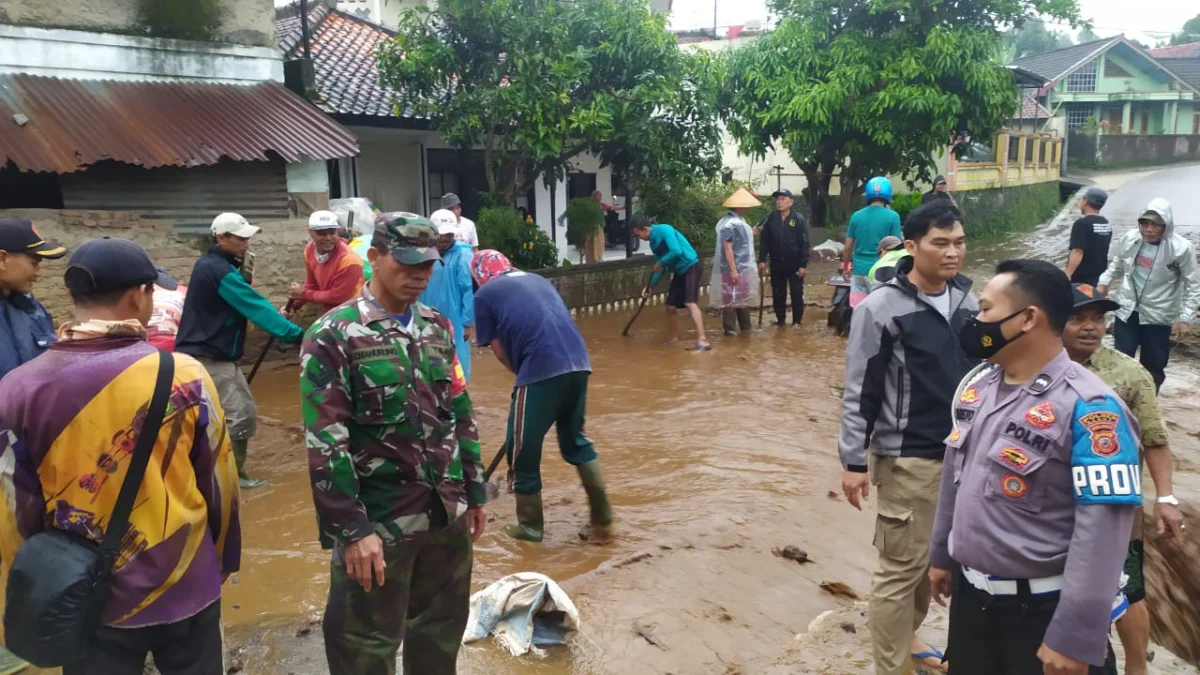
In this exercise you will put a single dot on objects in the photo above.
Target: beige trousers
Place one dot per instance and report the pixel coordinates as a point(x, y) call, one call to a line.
point(906, 490)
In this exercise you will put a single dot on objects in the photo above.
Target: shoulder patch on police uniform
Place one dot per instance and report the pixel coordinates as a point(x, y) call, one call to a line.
point(1104, 454)
point(970, 396)
point(1013, 486)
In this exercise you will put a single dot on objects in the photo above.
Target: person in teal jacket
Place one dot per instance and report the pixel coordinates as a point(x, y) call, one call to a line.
point(673, 253)
point(450, 290)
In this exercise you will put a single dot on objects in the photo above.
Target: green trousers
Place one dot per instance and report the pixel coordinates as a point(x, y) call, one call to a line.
point(423, 603)
point(561, 402)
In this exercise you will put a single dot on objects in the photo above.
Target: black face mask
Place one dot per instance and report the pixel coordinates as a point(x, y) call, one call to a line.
point(983, 339)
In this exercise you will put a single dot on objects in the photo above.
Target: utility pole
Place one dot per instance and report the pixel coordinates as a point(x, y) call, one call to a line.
point(714, 19)
point(778, 176)
point(304, 28)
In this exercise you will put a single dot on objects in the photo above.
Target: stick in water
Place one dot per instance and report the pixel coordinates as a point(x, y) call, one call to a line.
point(266, 348)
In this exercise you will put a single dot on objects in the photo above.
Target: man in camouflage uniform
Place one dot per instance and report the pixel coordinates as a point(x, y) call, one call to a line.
point(394, 458)
point(1133, 383)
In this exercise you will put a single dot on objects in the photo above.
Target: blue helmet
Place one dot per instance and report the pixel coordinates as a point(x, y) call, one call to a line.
point(879, 188)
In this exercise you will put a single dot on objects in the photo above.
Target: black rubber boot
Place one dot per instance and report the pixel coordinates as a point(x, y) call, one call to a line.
point(600, 516)
point(529, 523)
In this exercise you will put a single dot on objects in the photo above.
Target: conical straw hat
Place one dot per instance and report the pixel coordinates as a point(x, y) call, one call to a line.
point(742, 199)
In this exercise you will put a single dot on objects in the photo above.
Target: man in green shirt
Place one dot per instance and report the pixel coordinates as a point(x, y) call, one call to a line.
point(868, 226)
point(1133, 383)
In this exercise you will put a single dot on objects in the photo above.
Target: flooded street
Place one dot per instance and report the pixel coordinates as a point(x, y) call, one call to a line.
point(711, 460)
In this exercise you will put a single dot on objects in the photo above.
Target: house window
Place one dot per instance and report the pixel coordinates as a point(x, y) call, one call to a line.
point(1078, 114)
point(1083, 79)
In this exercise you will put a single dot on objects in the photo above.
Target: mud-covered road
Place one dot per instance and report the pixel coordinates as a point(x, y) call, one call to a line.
point(712, 461)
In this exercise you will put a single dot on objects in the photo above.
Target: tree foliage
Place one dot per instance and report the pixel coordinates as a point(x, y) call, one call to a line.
point(536, 82)
point(1033, 38)
point(856, 88)
point(1189, 33)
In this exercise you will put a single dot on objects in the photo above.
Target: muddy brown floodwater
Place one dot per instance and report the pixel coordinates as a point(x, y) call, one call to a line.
point(712, 461)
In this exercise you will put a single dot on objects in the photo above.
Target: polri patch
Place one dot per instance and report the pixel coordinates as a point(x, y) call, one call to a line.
point(1014, 457)
point(1041, 416)
point(970, 396)
point(1013, 486)
point(1024, 434)
point(1102, 427)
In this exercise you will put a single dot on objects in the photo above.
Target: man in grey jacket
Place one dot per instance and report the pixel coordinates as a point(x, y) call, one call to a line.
point(903, 361)
point(1160, 293)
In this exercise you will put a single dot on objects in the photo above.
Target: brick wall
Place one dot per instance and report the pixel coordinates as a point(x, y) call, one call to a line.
point(278, 253)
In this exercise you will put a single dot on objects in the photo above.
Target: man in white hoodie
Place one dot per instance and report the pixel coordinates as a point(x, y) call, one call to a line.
point(1161, 291)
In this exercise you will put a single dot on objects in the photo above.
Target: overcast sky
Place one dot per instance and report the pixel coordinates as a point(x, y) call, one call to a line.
point(1146, 20)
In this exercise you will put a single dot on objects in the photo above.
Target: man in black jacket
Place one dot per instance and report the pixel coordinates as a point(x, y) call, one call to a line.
point(937, 192)
point(785, 242)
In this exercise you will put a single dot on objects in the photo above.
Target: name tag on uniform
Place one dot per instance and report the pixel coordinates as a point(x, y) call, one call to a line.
point(365, 354)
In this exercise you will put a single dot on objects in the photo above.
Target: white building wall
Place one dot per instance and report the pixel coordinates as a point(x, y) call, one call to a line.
point(390, 168)
point(73, 54)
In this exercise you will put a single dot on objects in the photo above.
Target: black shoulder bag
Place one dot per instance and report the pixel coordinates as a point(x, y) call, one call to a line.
point(60, 582)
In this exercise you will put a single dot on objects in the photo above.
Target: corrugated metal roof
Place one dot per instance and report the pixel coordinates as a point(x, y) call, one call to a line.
point(76, 123)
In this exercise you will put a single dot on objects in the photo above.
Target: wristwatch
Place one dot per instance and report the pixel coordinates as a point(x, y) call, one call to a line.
point(1168, 499)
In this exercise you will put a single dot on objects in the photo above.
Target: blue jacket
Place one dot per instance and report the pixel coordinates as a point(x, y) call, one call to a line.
point(219, 303)
point(672, 251)
point(26, 330)
point(450, 292)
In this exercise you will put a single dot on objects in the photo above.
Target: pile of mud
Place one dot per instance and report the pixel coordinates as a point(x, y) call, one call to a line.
point(1173, 589)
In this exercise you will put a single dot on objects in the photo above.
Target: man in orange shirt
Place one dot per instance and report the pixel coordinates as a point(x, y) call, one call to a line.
point(334, 272)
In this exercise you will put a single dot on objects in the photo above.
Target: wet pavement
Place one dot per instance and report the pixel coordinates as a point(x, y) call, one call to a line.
point(711, 460)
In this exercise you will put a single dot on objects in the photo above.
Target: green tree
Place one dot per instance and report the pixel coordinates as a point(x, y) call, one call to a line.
point(859, 88)
point(1086, 35)
point(1033, 38)
point(535, 82)
point(1190, 32)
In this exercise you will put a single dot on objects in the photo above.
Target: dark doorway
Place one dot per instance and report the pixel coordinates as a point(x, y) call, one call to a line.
point(581, 185)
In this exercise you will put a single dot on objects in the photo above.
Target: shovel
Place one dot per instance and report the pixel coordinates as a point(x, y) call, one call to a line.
point(493, 490)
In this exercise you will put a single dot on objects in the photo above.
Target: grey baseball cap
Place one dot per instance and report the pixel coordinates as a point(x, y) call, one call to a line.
point(1096, 197)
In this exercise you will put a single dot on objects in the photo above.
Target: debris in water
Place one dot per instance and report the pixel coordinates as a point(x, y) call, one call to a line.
point(235, 665)
point(235, 580)
point(725, 617)
point(237, 606)
point(302, 631)
point(849, 628)
point(632, 558)
point(646, 635)
point(269, 421)
point(839, 589)
point(833, 494)
point(837, 392)
point(791, 552)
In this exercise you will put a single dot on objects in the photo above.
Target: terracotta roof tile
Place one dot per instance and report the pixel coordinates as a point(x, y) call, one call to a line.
point(343, 48)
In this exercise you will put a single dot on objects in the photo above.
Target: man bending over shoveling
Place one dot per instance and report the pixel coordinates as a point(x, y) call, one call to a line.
point(529, 328)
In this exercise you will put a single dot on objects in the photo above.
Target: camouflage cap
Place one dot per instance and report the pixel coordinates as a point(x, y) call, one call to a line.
point(411, 238)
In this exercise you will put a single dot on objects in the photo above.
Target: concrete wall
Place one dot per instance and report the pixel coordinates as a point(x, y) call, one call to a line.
point(1111, 151)
point(244, 22)
point(74, 54)
point(389, 168)
point(278, 249)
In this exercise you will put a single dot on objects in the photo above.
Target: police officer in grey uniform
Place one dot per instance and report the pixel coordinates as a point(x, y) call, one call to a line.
point(1039, 491)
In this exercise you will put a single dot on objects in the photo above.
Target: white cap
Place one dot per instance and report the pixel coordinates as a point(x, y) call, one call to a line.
point(235, 224)
point(445, 221)
point(323, 220)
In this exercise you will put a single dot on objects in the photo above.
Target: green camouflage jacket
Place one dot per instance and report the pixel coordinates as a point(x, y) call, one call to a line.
point(388, 424)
